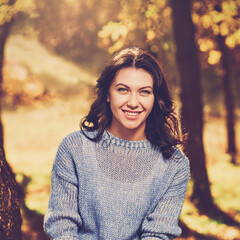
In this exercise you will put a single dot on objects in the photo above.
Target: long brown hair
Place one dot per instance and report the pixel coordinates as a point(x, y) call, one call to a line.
point(161, 125)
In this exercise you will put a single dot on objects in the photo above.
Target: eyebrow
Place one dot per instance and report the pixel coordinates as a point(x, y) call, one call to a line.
point(121, 84)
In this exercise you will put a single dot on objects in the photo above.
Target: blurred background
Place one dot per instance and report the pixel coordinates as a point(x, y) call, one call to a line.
point(52, 53)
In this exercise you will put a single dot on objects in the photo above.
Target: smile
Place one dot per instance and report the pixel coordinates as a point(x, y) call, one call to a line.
point(131, 113)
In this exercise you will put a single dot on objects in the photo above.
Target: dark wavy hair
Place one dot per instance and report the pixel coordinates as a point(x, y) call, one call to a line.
point(161, 125)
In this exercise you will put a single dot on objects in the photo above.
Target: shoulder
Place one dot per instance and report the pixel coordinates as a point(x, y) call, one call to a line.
point(179, 159)
point(72, 138)
point(69, 144)
point(77, 138)
point(178, 155)
point(65, 159)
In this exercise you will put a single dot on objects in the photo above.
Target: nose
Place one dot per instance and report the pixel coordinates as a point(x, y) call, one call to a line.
point(133, 101)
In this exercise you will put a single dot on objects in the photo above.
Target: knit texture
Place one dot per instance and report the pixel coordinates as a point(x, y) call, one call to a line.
point(115, 190)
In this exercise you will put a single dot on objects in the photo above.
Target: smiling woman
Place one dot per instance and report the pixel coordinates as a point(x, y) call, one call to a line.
point(121, 176)
point(131, 100)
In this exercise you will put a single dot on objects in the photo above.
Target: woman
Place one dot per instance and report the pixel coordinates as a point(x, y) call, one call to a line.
point(121, 176)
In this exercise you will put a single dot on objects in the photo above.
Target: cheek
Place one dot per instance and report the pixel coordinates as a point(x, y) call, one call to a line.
point(117, 100)
point(149, 103)
point(114, 103)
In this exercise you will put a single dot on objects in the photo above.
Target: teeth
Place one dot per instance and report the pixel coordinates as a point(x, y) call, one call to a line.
point(131, 113)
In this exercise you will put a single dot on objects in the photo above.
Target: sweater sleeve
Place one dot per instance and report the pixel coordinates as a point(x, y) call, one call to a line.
point(62, 220)
point(162, 221)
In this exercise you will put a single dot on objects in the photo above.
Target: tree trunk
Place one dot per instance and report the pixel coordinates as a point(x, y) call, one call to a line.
point(192, 109)
point(10, 218)
point(4, 30)
point(228, 96)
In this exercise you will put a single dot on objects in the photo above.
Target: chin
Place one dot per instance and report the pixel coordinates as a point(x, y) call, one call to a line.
point(132, 127)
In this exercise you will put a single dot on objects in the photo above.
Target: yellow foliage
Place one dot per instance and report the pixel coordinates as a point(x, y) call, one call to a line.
point(217, 17)
point(230, 41)
point(8, 11)
point(197, 5)
point(24, 5)
point(117, 46)
point(167, 12)
point(154, 7)
point(195, 18)
point(233, 39)
point(206, 21)
point(215, 29)
point(160, 4)
point(214, 57)
point(113, 32)
point(150, 35)
point(224, 29)
point(151, 11)
point(205, 44)
point(237, 36)
point(225, 22)
point(230, 8)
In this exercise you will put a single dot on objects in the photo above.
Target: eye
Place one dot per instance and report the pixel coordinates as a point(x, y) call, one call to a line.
point(145, 92)
point(122, 90)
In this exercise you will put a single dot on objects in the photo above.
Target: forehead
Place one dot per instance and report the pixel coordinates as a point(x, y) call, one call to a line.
point(133, 77)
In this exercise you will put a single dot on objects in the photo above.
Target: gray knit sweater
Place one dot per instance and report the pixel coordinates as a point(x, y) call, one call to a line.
point(115, 190)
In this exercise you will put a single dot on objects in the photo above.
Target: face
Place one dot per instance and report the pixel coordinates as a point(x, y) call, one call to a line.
point(131, 100)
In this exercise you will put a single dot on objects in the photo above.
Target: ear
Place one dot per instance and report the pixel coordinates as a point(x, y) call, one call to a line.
point(108, 98)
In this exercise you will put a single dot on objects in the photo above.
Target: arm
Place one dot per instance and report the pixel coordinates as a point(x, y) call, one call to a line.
point(162, 221)
point(62, 220)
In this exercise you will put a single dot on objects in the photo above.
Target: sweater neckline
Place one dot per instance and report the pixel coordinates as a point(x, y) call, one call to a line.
point(110, 139)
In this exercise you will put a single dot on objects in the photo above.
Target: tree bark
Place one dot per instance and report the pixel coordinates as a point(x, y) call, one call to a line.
point(10, 218)
point(4, 31)
point(192, 109)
